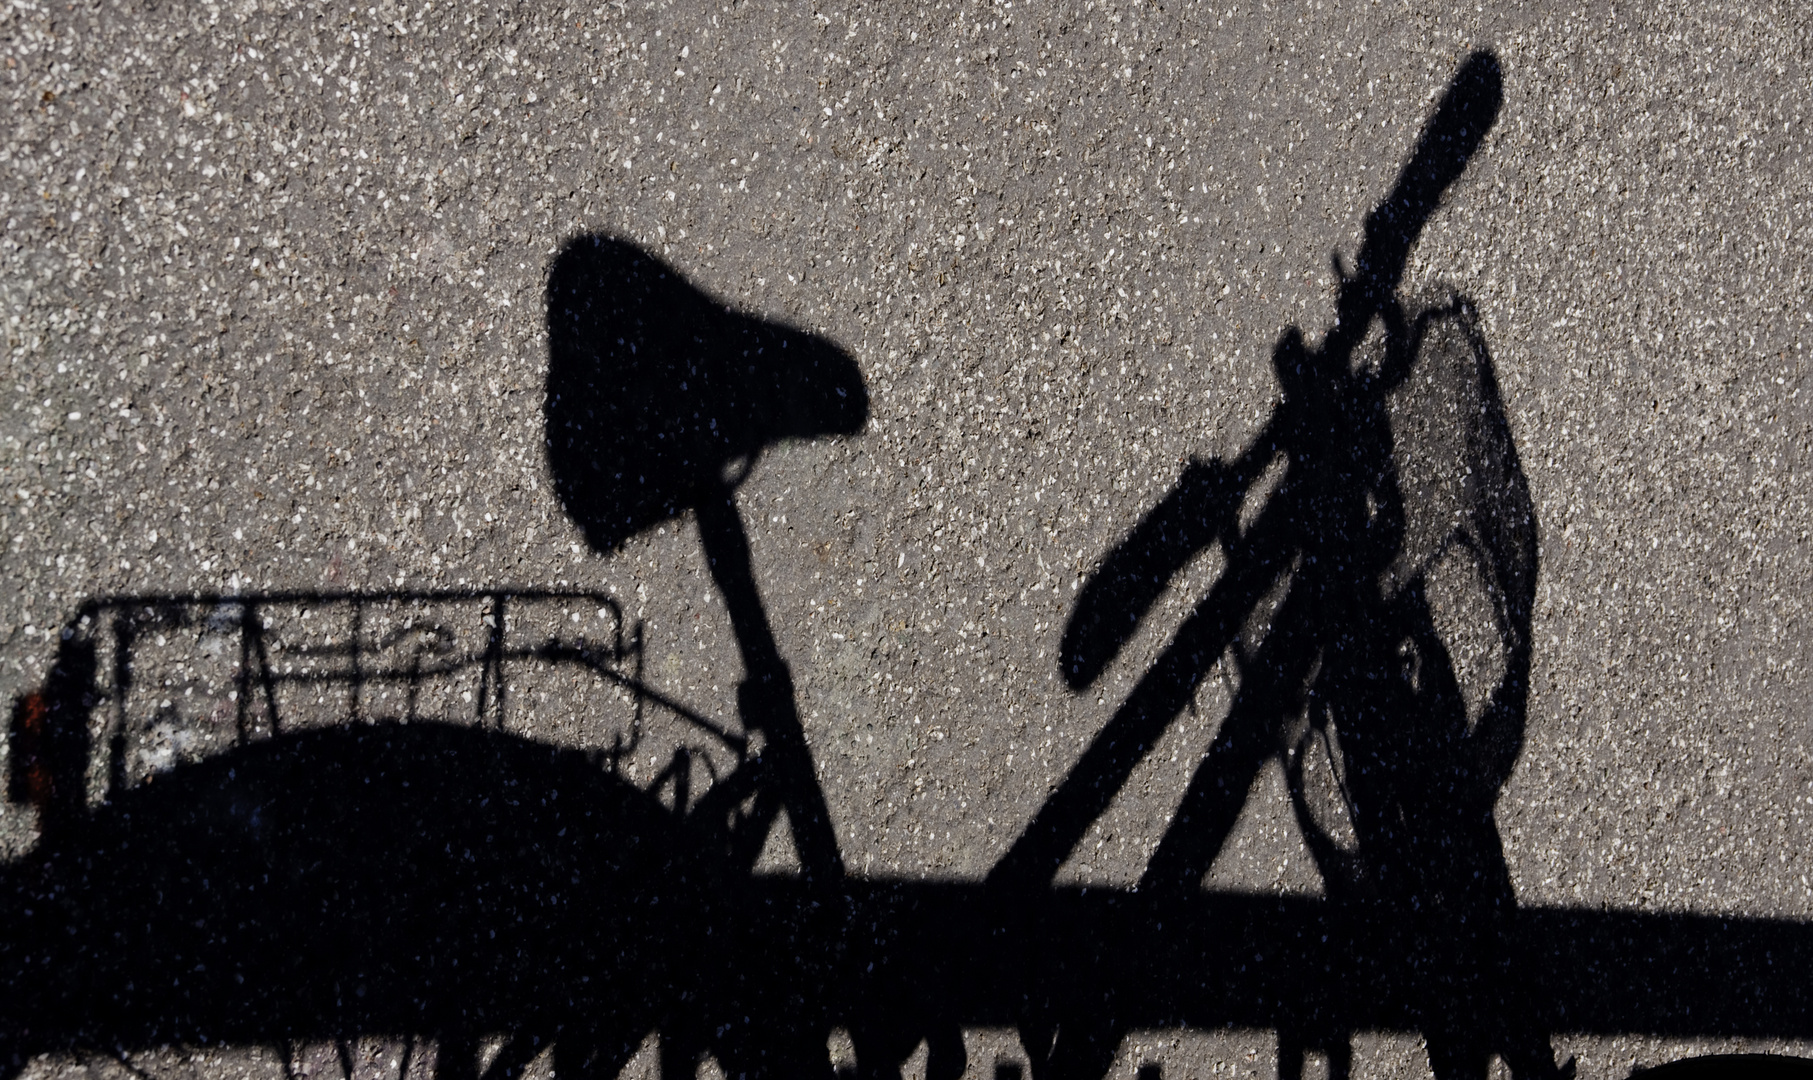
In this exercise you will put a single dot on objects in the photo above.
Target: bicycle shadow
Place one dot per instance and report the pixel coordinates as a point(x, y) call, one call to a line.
point(468, 883)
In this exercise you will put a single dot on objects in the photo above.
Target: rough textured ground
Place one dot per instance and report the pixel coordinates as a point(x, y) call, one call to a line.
point(272, 277)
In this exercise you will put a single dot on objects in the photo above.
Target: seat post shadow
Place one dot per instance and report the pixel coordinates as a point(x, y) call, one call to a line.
point(660, 399)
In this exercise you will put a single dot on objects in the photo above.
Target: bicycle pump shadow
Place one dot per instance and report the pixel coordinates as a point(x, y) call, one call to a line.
point(1401, 510)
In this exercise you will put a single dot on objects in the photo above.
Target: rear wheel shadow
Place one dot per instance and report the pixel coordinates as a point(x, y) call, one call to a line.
point(373, 878)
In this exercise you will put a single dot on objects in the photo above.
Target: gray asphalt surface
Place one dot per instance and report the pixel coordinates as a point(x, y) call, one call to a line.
point(272, 281)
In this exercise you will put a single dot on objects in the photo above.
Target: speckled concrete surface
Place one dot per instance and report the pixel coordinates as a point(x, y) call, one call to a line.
point(272, 287)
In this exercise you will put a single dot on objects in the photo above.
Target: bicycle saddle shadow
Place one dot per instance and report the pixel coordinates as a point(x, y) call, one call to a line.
point(656, 391)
